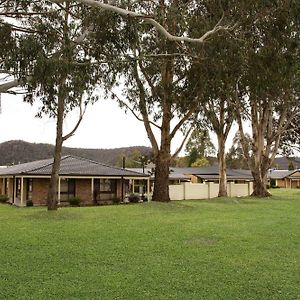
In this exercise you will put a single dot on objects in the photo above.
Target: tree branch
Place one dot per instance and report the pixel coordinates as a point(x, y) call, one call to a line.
point(180, 123)
point(183, 142)
point(81, 114)
point(151, 21)
point(143, 110)
point(132, 110)
point(4, 87)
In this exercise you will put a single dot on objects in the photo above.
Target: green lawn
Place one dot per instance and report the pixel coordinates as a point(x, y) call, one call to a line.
point(242, 248)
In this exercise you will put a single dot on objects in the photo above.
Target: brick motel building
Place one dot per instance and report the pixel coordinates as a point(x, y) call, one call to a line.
point(89, 180)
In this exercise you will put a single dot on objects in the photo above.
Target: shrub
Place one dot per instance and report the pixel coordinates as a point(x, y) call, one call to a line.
point(3, 198)
point(74, 201)
point(29, 203)
point(134, 198)
point(116, 200)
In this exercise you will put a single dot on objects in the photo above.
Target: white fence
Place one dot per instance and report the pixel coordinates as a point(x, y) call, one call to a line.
point(188, 190)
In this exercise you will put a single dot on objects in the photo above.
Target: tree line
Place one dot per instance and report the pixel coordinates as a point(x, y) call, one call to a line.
point(175, 65)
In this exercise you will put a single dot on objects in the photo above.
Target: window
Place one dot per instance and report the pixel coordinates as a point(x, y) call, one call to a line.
point(29, 189)
point(18, 188)
point(67, 189)
point(140, 186)
point(105, 189)
point(107, 186)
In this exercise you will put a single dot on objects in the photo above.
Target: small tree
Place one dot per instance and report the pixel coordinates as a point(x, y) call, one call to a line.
point(200, 162)
point(291, 166)
point(235, 157)
point(199, 146)
point(50, 61)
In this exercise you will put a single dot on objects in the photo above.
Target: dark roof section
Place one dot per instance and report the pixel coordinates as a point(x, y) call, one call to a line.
point(174, 175)
point(70, 166)
point(197, 171)
point(205, 173)
point(25, 168)
point(212, 172)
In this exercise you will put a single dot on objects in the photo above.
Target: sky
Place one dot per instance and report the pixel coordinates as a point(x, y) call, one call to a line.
point(105, 125)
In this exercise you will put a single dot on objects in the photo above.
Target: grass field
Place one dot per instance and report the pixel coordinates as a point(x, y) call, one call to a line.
point(242, 248)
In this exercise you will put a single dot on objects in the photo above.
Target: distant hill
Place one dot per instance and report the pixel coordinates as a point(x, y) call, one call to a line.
point(14, 152)
point(282, 163)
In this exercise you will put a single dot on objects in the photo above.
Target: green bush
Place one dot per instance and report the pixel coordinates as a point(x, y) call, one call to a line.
point(74, 201)
point(116, 200)
point(3, 198)
point(134, 198)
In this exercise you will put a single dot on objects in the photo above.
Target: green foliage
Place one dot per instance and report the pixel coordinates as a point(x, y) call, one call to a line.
point(116, 200)
point(75, 201)
point(221, 255)
point(199, 146)
point(192, 156)
point(46, 55)
point(235, 157)
point(3, 198)
point(290, 142)
point(200, 162)
point(180, 162)
point(134, 198)
point(291, 166)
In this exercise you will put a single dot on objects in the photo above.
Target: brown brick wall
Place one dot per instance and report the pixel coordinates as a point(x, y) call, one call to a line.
point(295, 184)
point(83, 190)
point(40, 190)
point(281, 183)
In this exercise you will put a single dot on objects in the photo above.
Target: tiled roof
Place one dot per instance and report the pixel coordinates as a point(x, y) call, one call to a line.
point(70, 166)
point(174, 175)
point(205, 173)
point(280, 174)
point(197, 171)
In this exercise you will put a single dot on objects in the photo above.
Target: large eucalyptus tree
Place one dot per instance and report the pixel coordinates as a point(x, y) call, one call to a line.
point(152, 66)
point(213, 74)
point(267, 92)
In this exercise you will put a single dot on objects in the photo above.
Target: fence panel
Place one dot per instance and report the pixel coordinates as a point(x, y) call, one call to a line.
point(207, 190)
point(176, 192)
